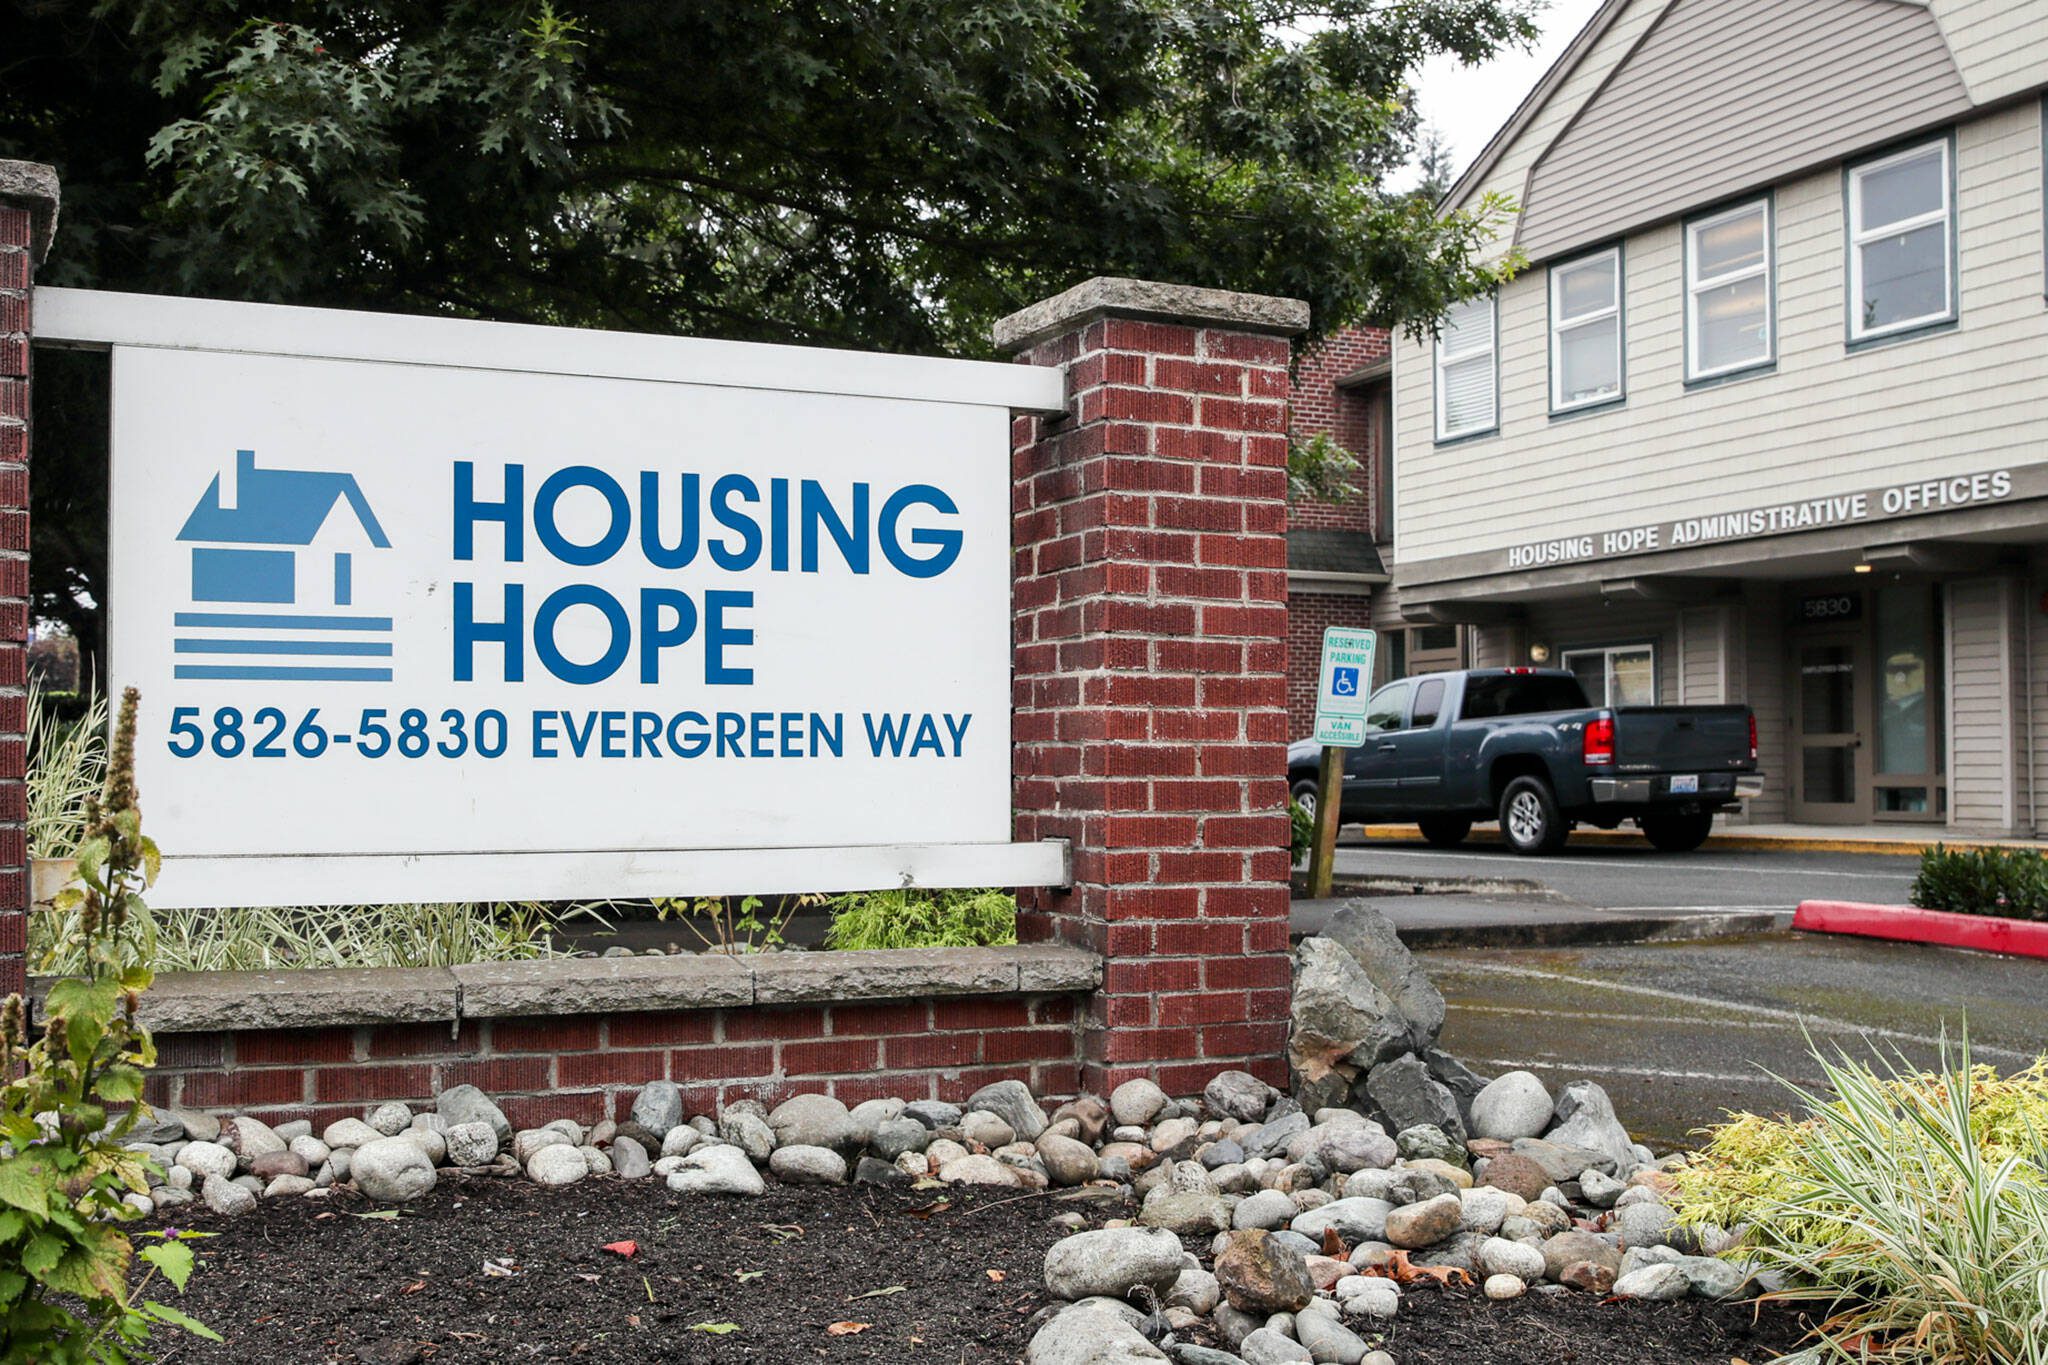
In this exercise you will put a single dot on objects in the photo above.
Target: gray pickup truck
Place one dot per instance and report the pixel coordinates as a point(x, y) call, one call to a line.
point(1522, 746)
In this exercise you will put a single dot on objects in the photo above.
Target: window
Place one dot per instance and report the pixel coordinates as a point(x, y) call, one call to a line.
point(1585, 331)
point(1901, 233)
point(1520, 694)
point(1388, 709)
point(1728, 292)
point(1429, 703)
point(1466, 401)
point(1625, 675)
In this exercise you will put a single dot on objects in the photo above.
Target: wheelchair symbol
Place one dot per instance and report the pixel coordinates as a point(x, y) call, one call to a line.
point(1344, 682)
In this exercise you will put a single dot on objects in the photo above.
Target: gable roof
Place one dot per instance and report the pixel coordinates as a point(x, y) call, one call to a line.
point(278, 506)
point(1722, 96)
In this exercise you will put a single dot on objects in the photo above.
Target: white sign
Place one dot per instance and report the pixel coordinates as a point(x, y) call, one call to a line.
point(401, 612)
point(1345, 683)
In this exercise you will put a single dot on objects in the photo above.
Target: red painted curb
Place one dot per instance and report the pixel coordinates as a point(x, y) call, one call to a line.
point(1910, 924)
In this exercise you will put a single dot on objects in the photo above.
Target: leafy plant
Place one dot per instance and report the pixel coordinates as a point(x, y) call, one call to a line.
point(1301, 831)
point(67, 766)
point(64, 1261)
point(733, 925)
point(1320, 470)
point(1916, 1205)
point(2012, 882)
point(909, 917)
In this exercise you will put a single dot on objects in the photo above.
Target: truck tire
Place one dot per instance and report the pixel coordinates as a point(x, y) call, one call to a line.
point(1445, 831)
point(1678, 831)
point(1530, 822)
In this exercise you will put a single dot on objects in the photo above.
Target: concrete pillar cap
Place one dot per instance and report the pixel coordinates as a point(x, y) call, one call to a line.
point(1185, 304)
point(33, 186)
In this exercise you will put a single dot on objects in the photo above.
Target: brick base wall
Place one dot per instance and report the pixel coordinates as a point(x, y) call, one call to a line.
point(1308, 614)
point(588, 1067)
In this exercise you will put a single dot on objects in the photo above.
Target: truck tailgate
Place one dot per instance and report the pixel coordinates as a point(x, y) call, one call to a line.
point(1681, 739)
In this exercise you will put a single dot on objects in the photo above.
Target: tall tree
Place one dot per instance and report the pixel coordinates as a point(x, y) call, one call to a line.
point(884, 174)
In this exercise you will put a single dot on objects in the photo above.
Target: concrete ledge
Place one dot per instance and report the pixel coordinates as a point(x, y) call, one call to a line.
point(205, 1002)
point(1111, 295)
point(219, 1002)
point(34, 186)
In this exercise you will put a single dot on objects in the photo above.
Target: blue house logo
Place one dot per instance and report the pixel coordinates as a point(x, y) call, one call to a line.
point(273, 538)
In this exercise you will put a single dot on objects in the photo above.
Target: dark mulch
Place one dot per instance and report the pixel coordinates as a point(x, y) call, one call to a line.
point(304, 1280)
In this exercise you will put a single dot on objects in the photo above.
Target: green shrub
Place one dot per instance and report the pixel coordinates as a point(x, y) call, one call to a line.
point(1914, 1205)
point(64, 1260)
point(2012, 882)
point(908, 917)
point(67, 766)
point(1301, 831)
point(735, 925)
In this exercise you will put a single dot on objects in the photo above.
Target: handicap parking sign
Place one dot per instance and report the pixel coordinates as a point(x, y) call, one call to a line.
point(1346, 673)
point(1344, 682)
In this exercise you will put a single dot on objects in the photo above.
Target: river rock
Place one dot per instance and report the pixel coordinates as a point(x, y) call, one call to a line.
point(1345, 1148)
point(1198, 1291)
point(1268, 1209)
point(1268, 1346)
point(813, 1121)
point(287, 1184)
point(1089, 1336)
point(894, 1137)
point(933, 1114)
point(1514, 1105)
point(1090, 1115)
point(392, 1170)
point(804, 1164)
point(1355, 1220)
point(1657, 1283)
point(1189, 1213)
point(1136, 1103)
point(1518, 1175)
point(225, 1197)
point(467, 1104)
point(207, 1160)
point(1261, 1274)
point(390, 1119)
point(271, 1165)
point(1239, 1095)
point(474, 1143)
point(1499, 1256)
point(349, 1133)
point(1505, 1287)
point(1586, 1119)
point(532, 1140)
point(1591, 1276)
point(1561, 1161)
point(557, 1165)
point(248, 1139)
point(630, 1160)
point(1410, 1097)
point(1415, 1226)
point(1067, 1161)
point(1572, 1246)
point(719, 1169)
point(1013, 1103)
point(1112, 1262)
point(1644, 1225)
point(975, 1169)
point(1328, 1340)
point(985, 1128)
point(658, 1108)
point(747, 1131)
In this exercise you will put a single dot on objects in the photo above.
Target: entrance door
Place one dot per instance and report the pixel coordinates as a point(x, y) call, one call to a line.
point(1830, 766)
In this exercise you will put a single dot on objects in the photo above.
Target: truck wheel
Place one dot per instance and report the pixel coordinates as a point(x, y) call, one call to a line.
point(1305, 794)
point(1445, 831)
point(1678, 831)
point(1530, 821)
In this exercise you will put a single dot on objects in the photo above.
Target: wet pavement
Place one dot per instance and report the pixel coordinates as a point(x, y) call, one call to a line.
point(1678, 1033)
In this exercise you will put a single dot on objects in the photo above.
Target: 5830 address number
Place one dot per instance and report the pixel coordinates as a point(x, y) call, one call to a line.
point(270, 733)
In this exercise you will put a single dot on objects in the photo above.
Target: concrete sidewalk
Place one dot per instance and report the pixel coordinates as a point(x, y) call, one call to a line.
point(1891, 840)
point(1457, 921)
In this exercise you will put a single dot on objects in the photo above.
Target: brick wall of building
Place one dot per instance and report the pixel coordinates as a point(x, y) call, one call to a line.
point(588, 1067)
point(1308, 613)
point(1352, 417)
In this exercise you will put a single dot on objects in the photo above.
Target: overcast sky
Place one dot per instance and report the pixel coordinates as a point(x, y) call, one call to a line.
point(1468, 103)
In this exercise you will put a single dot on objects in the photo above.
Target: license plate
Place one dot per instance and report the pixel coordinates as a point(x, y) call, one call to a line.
point(1688, 785)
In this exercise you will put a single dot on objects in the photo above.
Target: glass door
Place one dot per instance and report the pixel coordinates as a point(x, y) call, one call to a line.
point(1830, 768)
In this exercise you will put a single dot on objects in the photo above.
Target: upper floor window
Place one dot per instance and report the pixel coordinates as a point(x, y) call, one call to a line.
point(1728, 324)
point(1466, 376)
point(1901, 242)
point(1585, 331)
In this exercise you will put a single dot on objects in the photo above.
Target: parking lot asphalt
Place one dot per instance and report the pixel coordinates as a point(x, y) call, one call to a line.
point(1680, 1032)
point(1616, 877)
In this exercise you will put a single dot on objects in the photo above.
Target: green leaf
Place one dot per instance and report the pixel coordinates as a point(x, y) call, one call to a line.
point(41, 1255)
point(25, 1184)
point(879, 1293)
point(11, 1285)
point(165, 1313)
point(95, 1266)
point(717, 1329)
point(174, 1259)
point(377, 1213)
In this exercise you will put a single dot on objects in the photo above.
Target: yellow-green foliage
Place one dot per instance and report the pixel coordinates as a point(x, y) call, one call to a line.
point(913, 918)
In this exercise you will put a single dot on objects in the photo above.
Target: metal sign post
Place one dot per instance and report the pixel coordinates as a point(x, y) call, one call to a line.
point(1344, 682)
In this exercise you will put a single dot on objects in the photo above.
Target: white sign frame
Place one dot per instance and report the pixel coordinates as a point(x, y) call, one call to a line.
point(1347, 659)
point(103, 320)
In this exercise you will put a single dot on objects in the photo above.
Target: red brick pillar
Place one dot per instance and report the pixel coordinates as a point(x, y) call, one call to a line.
point(1150, 676)
point(28, 214)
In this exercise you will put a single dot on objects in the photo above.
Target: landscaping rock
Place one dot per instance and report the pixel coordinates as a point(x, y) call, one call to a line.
point(1600, 1190)
point(1586, 1119)
point(1327, 1340)
point(805, 1164)
point(719, 1169)
point(1364, 931)
point(1355, 1220)
point(467, 1104)
point(207, 1160)
point(1561, 1161)
point(390, 1119)
point(658, 1108)
point(1268, 1210)
point(556, 1165)
point(1189, 1213)
point(1088, 1336)
point(1515, 1105)
point(813, 1121)
point(1593, 1277)
point(248, 1139)
point(1657, 1283)
point(1269, 1347)
point(1644, 1225)
point(933, 1114)
point(1198, 1291)
point(1518, 1175)
point(532, 1140)
point(872, 1172)
point(1415, 1226)
point(473, 1143)
point(1713, 1278)
point(287, 1184)
point(1013, 1103)
point(1499, 1256)
point(392, 1170)
point(1136, 1103)
point(198, 1127)
point(975, 1169)
point(271, 1165)
point(747, 1131)
point(1090, 1115)
point(1486, 1209)
point(894, 1137)
point(1113, 1262)
point(1239, 1095)
point(1344, 1148)
point(1339, 1017)
point(225, 1197)
point(629, 1159)
point(1505, 1287)
point(1571, 1247)
point(309, 1149)
point(1427, 1142)
point(1261, 1274)
point(1067, 1161)
point(985, 1128)
point(1409, 1096)
point(349, 1133)
point(681, 1140)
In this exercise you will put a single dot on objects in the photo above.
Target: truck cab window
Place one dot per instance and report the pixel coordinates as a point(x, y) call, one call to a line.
point(1429, 703)
point(1388, 709)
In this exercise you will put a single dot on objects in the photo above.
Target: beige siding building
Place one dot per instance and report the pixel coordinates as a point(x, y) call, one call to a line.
point(1765, 416)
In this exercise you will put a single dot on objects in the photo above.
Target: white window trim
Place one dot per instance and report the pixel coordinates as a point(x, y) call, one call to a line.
point(1559, 326)
point(1606, 654)
point(1859, 238)
point(1696, 285)
point(1442, 359)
